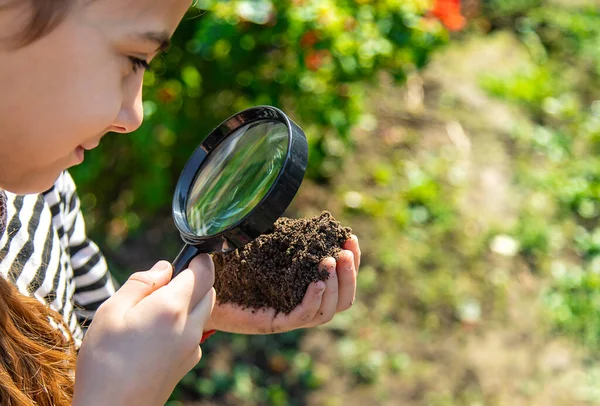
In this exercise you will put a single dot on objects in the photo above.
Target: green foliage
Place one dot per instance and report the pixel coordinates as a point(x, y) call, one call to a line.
point(508, 9)
point(574, 301)
point(312, 58)
point(267, 370)
point(561, 92)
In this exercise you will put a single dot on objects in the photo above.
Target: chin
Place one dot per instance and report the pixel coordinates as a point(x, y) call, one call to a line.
point(32, 183)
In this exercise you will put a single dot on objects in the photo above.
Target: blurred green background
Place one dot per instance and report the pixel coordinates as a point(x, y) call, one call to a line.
point(467, 162)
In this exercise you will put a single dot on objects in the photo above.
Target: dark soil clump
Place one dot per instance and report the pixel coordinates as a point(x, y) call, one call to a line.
point(275, 269)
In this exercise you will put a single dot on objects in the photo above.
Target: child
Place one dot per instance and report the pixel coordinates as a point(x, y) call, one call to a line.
point(70, 72)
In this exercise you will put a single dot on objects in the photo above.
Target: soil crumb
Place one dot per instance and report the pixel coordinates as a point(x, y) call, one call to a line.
point(275, 269)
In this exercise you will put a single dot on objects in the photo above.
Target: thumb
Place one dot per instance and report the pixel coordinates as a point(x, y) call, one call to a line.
point(142, 284)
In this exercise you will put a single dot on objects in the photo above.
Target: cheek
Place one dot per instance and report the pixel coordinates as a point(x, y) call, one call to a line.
point(87, 99)
point(90, 113)
point(83, 77)
point(83, 111)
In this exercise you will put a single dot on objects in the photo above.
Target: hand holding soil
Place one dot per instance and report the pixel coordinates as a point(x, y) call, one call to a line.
point(287, 278)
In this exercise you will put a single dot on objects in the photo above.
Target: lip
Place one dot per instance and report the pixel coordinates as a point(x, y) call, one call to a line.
point(79, 154)
point(88, 146)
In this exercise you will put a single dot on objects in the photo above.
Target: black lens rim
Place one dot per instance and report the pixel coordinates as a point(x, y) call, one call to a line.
point(273, 204)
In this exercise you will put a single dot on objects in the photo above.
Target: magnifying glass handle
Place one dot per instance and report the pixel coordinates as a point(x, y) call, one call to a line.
point(183, 259)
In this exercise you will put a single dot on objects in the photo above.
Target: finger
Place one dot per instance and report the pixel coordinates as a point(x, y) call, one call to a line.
point(191, 285)
point(192, 360)
point(346, 280)
point(330, 296)
point(201, 313)
point(304, 312)
point(142, 284)
point(352, 245)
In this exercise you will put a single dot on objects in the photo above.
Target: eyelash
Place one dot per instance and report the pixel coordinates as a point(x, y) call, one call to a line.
point(139, 64)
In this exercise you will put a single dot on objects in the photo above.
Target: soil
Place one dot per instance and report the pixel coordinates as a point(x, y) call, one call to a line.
point(275, 270)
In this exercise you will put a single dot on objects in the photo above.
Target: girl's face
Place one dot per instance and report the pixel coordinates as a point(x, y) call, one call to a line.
point(62, 93)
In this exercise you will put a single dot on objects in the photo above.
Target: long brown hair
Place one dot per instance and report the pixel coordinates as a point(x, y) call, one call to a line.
point(37, 361)
point(43, 17)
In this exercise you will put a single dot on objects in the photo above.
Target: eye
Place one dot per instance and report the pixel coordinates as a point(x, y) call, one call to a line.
point(138, 63)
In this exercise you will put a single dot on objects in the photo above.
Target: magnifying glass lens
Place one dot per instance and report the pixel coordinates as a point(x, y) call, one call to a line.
point(236, 176)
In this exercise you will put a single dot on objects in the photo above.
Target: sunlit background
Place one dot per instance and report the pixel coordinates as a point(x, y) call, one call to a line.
point(461, 142)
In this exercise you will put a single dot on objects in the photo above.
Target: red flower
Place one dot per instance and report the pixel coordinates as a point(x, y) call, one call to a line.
point(449, 13)
point(309, 39)
point(315, 59)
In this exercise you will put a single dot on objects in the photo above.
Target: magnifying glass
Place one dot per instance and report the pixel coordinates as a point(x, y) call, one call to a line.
point(238, 182)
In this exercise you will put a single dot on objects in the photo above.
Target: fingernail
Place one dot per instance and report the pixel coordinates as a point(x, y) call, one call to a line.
point(160, 267)
point(320, 287)
point(349, 261)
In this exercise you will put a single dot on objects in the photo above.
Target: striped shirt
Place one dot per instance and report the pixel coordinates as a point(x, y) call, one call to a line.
point(45, 253)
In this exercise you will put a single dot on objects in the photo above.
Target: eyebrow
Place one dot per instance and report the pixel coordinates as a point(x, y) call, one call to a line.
point(162, 39)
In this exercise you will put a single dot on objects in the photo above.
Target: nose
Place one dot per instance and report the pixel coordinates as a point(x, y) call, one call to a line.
point(131, 113)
